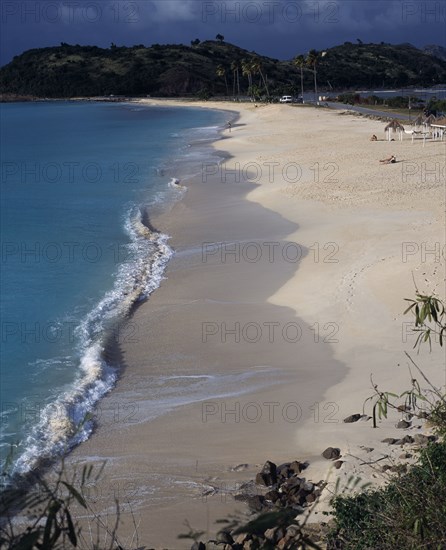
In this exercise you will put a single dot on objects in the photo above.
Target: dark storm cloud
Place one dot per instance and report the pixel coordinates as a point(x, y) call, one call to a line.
point(279, 28)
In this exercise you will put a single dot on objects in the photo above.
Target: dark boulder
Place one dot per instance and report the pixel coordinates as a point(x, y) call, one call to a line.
point(256, 502)
point(403, 424)
point(224, 537)
point(268, 475)
point(421, 439)
point(297, 467)
point(352, 418)
point(272, 496)
point(332, 453)
point(405, 440)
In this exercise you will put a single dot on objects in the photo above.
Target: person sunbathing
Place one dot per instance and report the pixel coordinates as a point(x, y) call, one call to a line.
point(390, 160)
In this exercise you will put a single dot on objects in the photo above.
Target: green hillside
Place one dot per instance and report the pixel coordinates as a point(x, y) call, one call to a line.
point(178, 70)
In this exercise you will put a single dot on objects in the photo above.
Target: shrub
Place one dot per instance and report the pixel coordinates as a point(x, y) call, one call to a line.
point(408, 513)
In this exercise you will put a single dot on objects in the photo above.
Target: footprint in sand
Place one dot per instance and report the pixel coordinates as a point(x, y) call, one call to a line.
point(349, 282)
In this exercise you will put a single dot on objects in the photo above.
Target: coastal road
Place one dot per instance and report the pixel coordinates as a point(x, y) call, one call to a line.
point(366, 111)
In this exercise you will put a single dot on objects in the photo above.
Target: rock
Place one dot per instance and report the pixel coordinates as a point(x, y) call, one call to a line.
point(403, 424)
point(224, 536)
point(297, 467)
point(240, 539)
point(284, 470)
point(248, 488)
point(310, 498)
point(423, 414)
point(299, 500)
point(331, 453)
point(399, 468)
point(292, 531)
point(352, 418)
point(239, 467)
point(308, 486)
point(405, 440)
point(283, 500)
point(284, 475)
point(292, 484)
point(365, 417)
point(260, 480)
point(338, 464)
point(272, 495)
point(256, 502)
point(403, 408)
point(268, 474)
point(283, 543)
point(270, 534)
point(386, 467)
point(389, 440)
point(421, 439)
point(198, 546)
point(295, 498)
point(404, 456)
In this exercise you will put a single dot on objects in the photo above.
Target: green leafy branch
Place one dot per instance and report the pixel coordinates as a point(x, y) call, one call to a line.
point(430, 318)
point(382, 401)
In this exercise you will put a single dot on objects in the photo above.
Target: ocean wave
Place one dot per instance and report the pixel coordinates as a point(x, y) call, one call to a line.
point(176, 185)
point(65, 423)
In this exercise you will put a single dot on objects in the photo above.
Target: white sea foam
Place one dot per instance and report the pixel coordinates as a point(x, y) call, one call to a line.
point(64, 423)
point(177, 187)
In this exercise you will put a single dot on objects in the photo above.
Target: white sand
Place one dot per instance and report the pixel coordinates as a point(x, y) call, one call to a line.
point(363, 226)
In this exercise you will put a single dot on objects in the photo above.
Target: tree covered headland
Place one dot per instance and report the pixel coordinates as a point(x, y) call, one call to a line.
point(213, 67)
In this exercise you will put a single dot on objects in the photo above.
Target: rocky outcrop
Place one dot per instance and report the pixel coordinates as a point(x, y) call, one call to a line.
point(278, 495)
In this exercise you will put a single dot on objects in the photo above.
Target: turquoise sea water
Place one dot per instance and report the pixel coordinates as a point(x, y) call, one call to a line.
point(76, 178)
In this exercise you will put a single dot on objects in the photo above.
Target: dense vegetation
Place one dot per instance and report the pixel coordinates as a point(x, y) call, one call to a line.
point(408, 513)
point(212, 68)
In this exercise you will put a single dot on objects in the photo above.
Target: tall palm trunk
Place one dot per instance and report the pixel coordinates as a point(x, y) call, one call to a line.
point(302, 82)
point(315, 84)
point(264, 82)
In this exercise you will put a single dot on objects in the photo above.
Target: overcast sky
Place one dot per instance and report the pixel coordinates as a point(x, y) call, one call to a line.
point(277, 28)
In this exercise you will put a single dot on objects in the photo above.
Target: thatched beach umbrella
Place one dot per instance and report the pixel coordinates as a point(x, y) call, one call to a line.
point(428, 121)
point(439, 128)
point(394, 126)
point(418, 121)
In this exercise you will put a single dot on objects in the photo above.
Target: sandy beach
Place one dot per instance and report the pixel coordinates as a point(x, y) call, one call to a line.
point(286, 292)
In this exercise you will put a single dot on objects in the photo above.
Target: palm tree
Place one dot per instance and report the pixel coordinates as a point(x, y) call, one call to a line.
point(299, 61)
point(312, 60)
point(221, 71)
point(246, 71)
point(235, 70)
point(256, 67)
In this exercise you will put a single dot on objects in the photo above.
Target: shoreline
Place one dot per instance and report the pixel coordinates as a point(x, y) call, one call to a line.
point(315, 218)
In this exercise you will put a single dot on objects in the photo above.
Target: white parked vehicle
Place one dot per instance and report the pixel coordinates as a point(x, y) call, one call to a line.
point(286, 99)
